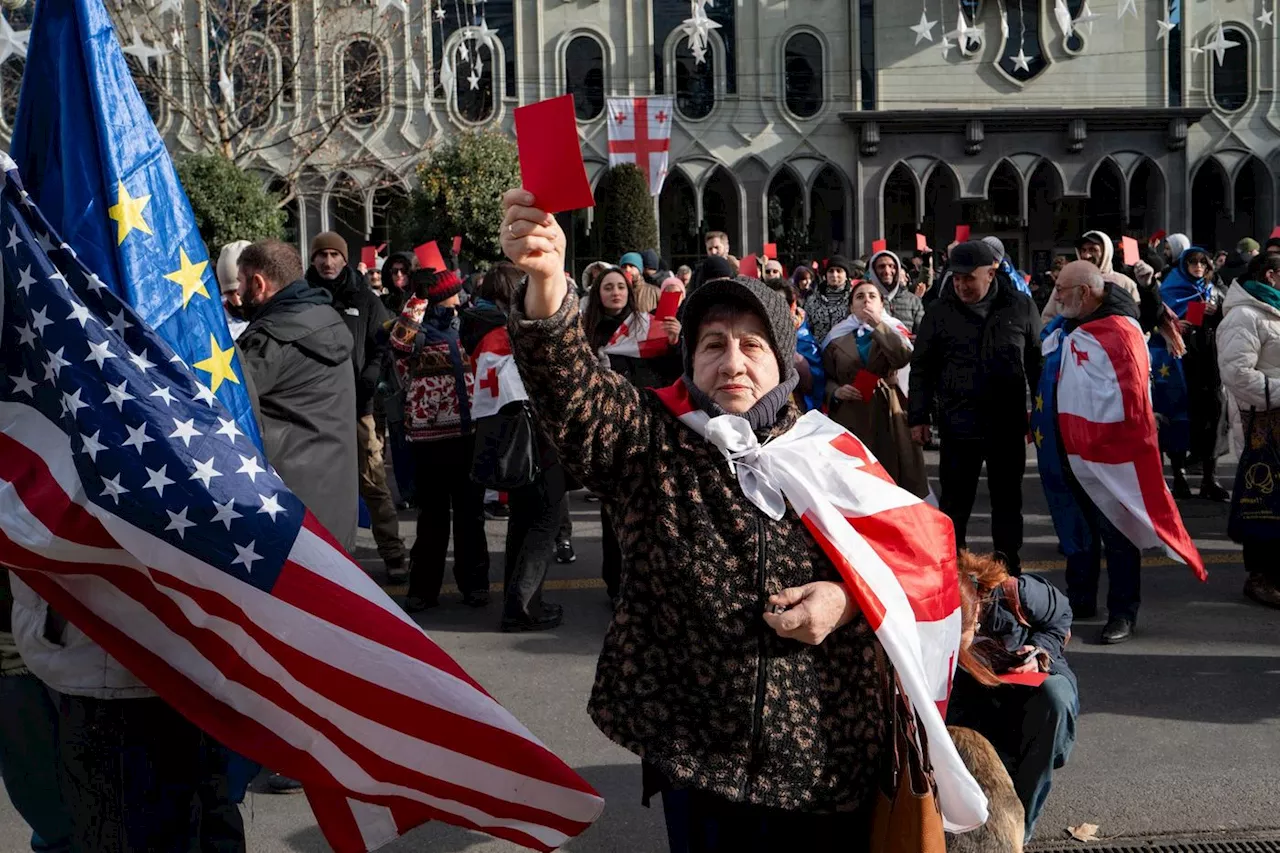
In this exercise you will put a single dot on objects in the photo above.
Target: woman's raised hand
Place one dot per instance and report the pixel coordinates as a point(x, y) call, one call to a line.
point(533, 240)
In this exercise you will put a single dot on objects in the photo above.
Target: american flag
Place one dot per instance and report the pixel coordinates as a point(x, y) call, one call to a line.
point(131, 501)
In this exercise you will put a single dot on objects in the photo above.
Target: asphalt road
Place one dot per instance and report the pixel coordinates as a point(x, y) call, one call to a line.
point(1179, 731)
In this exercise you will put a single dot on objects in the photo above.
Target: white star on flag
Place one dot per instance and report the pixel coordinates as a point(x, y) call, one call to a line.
point(26, 336)
point(56, 363)
point(245, 556)
point(229, 429)
point(99, 353)
point(186, 431)
point(157, 480)
point(204, 395)
point(178, 522)
point(14, 239)
point(249, 465)
point(71, 403)
point(140, 361)
point(25, 280)
point(162, 391)
point(137, 437)
point(119, 394)
point(22, 384)
point(205, 472)
point(113, 489)
point(92, 445)
point(271, 506)
point(225, 512)
point(119, 323)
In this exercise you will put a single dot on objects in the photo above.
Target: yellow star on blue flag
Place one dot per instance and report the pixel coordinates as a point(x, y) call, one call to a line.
point(95, 164)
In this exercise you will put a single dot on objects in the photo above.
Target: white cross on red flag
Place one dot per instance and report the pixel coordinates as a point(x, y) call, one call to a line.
point(640, 133)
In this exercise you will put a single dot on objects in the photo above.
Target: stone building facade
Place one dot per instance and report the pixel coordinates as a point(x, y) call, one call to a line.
point(823, 125)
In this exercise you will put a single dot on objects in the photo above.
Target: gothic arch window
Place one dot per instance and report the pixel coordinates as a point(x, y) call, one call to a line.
point(474, 68)
point(1231, 79)
point(802, 75)
point(584, 76)
point(696, 81)
point(254, 79)
point(362, 81)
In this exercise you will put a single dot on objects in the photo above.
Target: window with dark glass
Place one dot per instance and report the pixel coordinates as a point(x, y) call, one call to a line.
point(584, 76)
point(802, 70)
point(1231, 78)
point(669, 15)
point(695, 81)
point(362, 81)
point(499, 16)
point(253, 82)
point(474, 71)
point(867, 51)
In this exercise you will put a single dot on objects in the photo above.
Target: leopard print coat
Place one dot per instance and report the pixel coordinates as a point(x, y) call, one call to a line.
point(690, 677)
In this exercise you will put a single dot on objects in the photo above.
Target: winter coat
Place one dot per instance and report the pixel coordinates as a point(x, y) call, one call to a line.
point(1029, 611)
point(976, 369)
point(295, 351)
point(881, 423)
point(690, 678)
point(435, 370)
point(809, 352)
point(1110, 275)
point(825, 307)
point(365, 316)
point(1249, 349)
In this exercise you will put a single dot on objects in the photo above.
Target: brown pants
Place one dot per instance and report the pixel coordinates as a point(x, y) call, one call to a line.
point(377, 497)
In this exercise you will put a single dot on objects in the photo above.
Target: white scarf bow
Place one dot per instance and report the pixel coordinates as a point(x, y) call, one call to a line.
point(750, 461)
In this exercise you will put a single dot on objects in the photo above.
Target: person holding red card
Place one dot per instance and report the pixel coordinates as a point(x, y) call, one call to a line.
point(1015, 635)
point(861, 357)
point(1185, 391)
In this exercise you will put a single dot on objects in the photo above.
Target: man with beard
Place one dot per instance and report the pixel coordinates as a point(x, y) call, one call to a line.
point(365, 316)
point(297, 353)
point(899, 301)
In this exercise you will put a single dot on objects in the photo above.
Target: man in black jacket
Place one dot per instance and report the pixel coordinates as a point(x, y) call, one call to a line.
point(977, 352)
point(365, 316)
point(296, 351)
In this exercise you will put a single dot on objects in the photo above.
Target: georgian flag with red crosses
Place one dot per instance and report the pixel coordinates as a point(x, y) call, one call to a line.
point(497, 378)
point(640, 133)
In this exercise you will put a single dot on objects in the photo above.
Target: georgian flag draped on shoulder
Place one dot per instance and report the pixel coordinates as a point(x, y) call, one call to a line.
point(498, 379)
point(895, 553)
point(1108, 431)
point(132, 502)
point(851, 325)
point(639, 337)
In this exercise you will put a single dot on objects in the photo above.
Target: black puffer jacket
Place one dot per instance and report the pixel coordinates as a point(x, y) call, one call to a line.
point(365, 316)
point(976, 369)
point(296, 350)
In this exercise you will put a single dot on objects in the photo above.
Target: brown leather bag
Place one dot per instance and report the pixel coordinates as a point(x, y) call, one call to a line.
point(908, 818)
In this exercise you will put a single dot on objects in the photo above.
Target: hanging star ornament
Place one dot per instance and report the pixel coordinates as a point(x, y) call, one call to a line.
point(448, 79)
point(1127, 6)
point(965, 35)
point(1266, 19)
point(225, 87)
point(12, 42)
point(474, 80)
point(1166, 26)
point(1004, 21)
point(1022, 62)
point(924, 29)
point(698, 28)
point(140, 50)
point(1062, 15)
point(439, 13)
point(1221, 44)
point(1086, 17)
point(947, 44)
point(484, 35)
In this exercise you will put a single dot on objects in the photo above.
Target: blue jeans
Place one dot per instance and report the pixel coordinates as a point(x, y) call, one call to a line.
point(1033, 729)
point(1124, 568)
point(29, 760)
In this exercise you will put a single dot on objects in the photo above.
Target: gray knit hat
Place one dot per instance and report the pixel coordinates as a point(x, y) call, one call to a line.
point(752, 295)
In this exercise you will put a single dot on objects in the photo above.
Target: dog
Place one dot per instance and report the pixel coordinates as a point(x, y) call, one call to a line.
point(1006, 819)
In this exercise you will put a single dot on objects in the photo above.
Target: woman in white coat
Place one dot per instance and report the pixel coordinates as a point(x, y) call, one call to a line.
point(1249, 362)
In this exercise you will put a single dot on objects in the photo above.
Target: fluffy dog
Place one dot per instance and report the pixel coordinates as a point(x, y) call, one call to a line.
point(1003, 831)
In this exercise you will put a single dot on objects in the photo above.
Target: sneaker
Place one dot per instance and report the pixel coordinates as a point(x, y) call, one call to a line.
point(495, 511)
point(1261, 590)
point(1117, 630)
point(551, 617)
point(564, 553)
point(278, 784)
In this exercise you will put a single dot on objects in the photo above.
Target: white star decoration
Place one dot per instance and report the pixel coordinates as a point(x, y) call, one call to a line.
point(1021, 62)
point(947, 44)
point(1127, 6)
point(1221, 44)
point(163, 393)
point(1165, 25)
point(228, 428)
point(71, 403)
point(112, 488)
point(1086, 17)
point(140, 361)
point(92, 445)
point(924, 29)
point(245, 556)
point(137, 437)
point(186, 431)
point(249, 465)
point(205, 472)
point(12, 42)
point(157, 480)
point(225, 512)
point(118, 394)
point(1266, 19)
point(141, 51)
point(22, 384)
point(25, 280)
point(271, 506)
point(80, 313)
point(178, 522)
point(99, 353)
point(698, 28)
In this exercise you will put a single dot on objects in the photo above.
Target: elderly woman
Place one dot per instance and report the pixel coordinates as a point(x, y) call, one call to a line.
point(872, 342)
point(736, 666)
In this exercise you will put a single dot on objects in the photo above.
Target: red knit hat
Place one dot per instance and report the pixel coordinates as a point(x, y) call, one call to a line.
point(443, 285)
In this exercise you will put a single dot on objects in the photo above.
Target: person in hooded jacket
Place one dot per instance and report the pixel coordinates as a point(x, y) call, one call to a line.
point(1185, 390)
point(899, 302)
point(294, 351)
point(1249, 362)
point(365, 317)
point(396, 274)
point(828, 303)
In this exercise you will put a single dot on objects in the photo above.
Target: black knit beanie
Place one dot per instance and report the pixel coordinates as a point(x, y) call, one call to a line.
point(752, 295)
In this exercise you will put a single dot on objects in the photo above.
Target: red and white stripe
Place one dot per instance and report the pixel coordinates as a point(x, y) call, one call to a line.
point(897, 557)
point(323, 678)
point(498, 379)
point(639, 337)
point(1108, 429)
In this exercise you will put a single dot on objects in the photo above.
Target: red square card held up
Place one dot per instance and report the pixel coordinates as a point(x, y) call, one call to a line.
point(749, 266)
point(668, 304)
point(879, 246)
point(457, 244)
point(771, 251)
point(921, 243)
point(551, 156)
point(866, 381)
point(429, 257)
point(1275, 232)
point(1130, 248)
point(1195, 313)
point(369, 257)
point(962, 233)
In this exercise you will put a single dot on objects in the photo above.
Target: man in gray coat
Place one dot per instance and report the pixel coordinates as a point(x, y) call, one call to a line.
point(297, 353)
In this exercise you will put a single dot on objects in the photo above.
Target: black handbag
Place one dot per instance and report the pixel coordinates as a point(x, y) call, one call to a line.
point(1255, 501)
point(507, 455)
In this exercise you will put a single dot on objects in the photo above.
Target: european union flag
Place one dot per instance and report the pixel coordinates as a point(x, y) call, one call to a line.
point(1068, 522)
point(96, 165)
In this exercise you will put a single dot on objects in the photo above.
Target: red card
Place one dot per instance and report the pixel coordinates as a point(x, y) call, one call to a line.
point(429, 257)
point(1024, 679)
point(668, 302)
point(771, 251)
point(866, 383)
point(748, 266)
point(457, 244)
point(921, 243)
point(369, 257)
point(962, 233)
point(1195, 313)
point(1130, 247)
point(1159, 235)
point(551, 156)
point(879, 246)
point(1275, 232)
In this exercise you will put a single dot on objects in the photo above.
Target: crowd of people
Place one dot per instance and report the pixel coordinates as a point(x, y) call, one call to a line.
point(736, 664)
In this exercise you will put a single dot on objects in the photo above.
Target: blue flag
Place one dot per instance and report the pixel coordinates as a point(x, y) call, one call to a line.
point(1068, 522)
point(95, 164)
